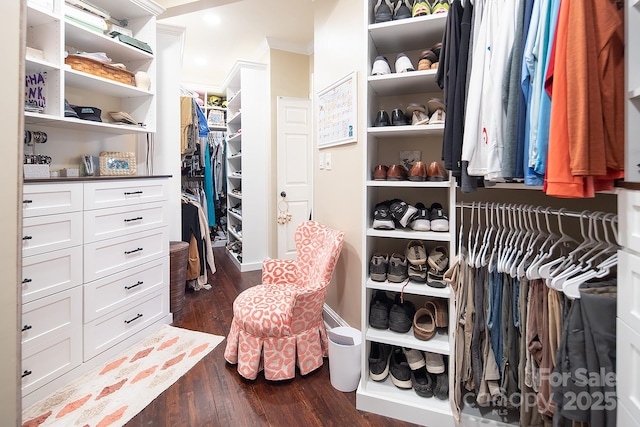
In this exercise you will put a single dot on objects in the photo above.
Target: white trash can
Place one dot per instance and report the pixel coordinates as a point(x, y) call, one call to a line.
point(345, 344)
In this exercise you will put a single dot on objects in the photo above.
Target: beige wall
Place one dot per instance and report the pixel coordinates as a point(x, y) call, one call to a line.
point(339, 49)
point(11, 84)
point(289, 77)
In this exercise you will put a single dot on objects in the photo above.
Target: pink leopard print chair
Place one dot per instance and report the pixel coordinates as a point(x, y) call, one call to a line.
point(278, 324)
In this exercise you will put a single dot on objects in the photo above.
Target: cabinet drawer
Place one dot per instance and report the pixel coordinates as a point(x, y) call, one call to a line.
point(47, 199)
point(629, 217)
point(110, 194)
point(117, 290)
point(51, 318)
point(628, 367)
point(109, 330)
point(120, 253)
point(629, 289)
point(52, 232)
point(51, 272)
point(103, 224)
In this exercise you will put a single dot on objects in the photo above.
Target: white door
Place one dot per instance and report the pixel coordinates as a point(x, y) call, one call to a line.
point(294, 165)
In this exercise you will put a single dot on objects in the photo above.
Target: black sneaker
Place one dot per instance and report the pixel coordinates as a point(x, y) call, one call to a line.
point(399, 368)
point(438, 218)
point(421, 221)
point(397, 271)
point(379, 310)
point(402, 212)
point(422, 382)
point(401, 315)
point(382, 219)
point(379, 356)
point(378, 267)
point(383, 10)
point(403, 9)
point(417, 273)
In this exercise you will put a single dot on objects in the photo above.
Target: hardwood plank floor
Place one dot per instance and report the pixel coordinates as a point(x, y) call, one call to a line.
point(212, 393)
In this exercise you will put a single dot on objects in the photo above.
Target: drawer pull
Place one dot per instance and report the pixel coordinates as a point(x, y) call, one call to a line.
point(26, 372)
point(133, 286)
point(133, 219)
point(27, 238)
point(26, 327)
point(26, 281)
point(135, 318)
point(27, 201)
point(130, 252)
point(131, 193)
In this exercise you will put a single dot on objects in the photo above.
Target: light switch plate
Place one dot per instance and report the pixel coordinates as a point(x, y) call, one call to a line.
point(321, 161)
point(327, 161)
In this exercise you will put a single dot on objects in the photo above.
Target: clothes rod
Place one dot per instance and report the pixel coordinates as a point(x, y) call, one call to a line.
point(540, 209)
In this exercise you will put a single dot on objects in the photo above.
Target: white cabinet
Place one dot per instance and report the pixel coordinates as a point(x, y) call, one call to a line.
point(383, 147)
point(93, 277)
point(248, 176)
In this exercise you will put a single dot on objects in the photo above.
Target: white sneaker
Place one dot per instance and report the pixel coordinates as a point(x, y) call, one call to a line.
point(380, 66)
point(403, 64)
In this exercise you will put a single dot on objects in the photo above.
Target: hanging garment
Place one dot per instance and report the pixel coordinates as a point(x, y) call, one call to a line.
point(186, 120)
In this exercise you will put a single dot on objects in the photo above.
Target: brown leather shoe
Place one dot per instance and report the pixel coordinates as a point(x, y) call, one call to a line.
point(380, 173)
point(397, 173)
point(418, 171)
point(437, 172)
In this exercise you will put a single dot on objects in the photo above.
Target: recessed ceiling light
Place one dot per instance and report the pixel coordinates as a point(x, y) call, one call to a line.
point(211, 19)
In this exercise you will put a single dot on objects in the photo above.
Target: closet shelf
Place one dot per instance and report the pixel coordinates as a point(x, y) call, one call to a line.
point(85, 81)
point(220, 128)
point(38, 16)
point(235, 156)
point(411, 288)
point(76, 35)
point(84, 125)
point(406, 401)
point(634, 94)
point(409, 184)
point(636, 4)
point(235, 119)
point(235, 138)
point(396, 131)
point(234, 258)
point(234, 234)
point(438, 344)
point(235, 196)
point(410, 234)
point(236, 216)
point(407, 34)
point(405, 83)
point(234, 100)
point(36, 65)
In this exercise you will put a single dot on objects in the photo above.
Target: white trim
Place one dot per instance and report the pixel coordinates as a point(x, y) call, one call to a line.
point(332, 319)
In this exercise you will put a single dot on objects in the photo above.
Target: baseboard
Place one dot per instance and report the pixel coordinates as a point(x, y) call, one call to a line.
point(331, 318)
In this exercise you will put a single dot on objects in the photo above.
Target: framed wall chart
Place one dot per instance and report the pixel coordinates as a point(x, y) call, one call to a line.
point(338, 112)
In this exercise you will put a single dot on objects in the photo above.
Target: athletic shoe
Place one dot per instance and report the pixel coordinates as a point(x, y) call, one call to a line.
point(421, 221)
point(378, 267)
point(440, 6)
point(438, 262)
point(382, 219)
point(403, 9)
point(438, 218)
point(421, 8)
point(379, 310)
point(402, 212)
point(417, 273)
point(397, 271)
point(434, 362)
point(401, 315)
point(415, 358)
point(416, 253)
point(380, 66)
point(383, 10)
point(379, 357)
point(399, 368)
point(403, 63)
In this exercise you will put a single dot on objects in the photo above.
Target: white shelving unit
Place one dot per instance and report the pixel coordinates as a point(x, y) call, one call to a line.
point(96, 212)
point(384, 144)
point(247, 164)
point(632, 85)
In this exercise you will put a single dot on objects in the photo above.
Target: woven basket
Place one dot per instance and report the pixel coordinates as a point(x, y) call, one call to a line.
point(178, 260)
point(100, 69)
point(117, 163)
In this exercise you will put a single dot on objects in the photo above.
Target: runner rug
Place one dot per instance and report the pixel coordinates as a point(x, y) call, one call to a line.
point(116, 391)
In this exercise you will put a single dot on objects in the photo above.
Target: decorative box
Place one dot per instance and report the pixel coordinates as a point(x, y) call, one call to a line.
point(117, 163)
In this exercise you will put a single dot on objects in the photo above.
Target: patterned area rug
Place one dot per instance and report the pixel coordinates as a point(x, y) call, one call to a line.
point(113, 393)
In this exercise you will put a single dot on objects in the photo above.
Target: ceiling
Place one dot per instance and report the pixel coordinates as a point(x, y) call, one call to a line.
point(220, 32)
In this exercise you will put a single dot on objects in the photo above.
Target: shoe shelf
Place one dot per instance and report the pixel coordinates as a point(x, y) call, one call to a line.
point(438, 236)
point(438, 344)
point(634, 94)
point(37, 65)
point(407, 34)
point(636, 4)
point(411, 287)
point(235, 215)
point(235, 119)
point(80, 80)
point(409, 184)
point(233, 233)
point(404, 83)
point(409, 130)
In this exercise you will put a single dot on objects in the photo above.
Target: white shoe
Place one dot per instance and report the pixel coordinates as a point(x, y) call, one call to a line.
point(403, 64)
point(380, 66)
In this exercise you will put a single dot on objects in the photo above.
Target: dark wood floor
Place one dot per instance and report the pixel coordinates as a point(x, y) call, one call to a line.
point(213, 394)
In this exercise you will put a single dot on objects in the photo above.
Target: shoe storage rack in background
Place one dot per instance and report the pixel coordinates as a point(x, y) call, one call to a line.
point(383, 145)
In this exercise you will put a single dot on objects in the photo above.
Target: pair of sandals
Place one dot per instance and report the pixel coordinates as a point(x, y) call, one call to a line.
point(427, 319)
point(431, 114)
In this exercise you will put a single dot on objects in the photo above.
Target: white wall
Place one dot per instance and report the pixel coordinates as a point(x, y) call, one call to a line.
point(339, 49)
point(11, 86)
